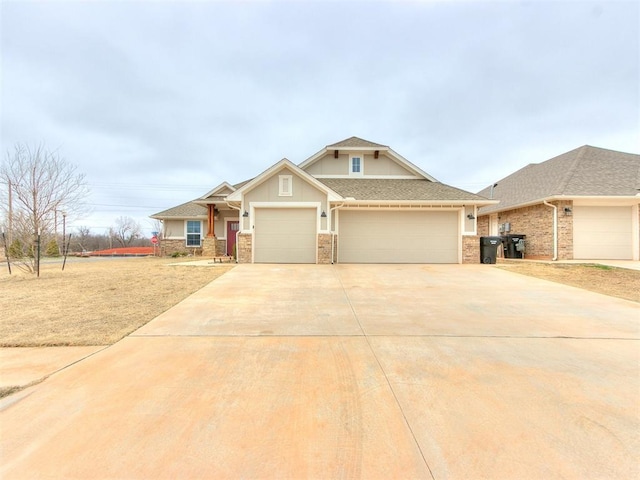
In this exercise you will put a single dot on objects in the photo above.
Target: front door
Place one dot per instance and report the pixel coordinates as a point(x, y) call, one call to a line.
point(232, 229)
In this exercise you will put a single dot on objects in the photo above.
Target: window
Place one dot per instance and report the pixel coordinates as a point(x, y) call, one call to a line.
point(286, 185)
point(356, 165)
point(194, 230)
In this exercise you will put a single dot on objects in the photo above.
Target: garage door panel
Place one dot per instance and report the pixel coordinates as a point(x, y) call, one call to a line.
point(398, 237)
point(285, 235)
point(602, 233)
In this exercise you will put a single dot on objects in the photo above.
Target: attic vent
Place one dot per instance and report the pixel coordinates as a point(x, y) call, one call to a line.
point(285, 184)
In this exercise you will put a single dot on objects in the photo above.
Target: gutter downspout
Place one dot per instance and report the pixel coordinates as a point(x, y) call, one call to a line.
point(238, 232)
point(555, 229)
point(332, 234)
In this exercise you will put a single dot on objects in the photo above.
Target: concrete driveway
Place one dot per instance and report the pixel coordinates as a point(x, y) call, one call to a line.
point(348, 371)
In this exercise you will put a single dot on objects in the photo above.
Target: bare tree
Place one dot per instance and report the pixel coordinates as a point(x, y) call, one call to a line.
point(82, 237)
point(126, 231)
point(38, 184)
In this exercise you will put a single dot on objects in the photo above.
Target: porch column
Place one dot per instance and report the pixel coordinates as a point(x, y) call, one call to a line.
point(211, 221)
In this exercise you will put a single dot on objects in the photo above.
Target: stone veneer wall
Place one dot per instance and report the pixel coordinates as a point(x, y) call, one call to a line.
point(244, 247)
point(221, 247)
point(170, 246)
point(471, 249)
point(324, 248)
point(209, 247)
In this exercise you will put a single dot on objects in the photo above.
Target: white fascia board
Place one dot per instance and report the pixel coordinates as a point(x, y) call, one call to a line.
point(416, 203)
point(406, 163)
point(619, 199)
point(374, 177)
point(237, 195)
point(216, 189)
point(313, 158)
point(182, 217)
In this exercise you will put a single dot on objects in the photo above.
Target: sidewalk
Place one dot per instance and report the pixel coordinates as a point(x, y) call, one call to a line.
point(22, 366)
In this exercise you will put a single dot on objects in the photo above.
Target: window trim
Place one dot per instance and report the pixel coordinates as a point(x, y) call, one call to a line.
point(187, 233)
point(361, 158)
point(281, 190)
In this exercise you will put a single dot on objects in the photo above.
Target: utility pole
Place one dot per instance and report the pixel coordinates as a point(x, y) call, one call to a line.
point(10, 214)
point(64, 233)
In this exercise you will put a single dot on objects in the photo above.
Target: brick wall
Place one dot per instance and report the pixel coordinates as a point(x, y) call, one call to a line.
point(244, 247)
point(565, 230)
point(536, 222)
point(471, 249)
point(324, 248)
point(483, 226)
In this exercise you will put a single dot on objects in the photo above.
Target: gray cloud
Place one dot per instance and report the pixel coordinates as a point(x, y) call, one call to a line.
point(150, 98)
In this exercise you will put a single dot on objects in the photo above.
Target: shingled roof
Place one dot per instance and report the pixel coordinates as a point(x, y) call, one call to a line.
point(397, 190)
point(355, 142)
point(585, 171)
point(185, 210)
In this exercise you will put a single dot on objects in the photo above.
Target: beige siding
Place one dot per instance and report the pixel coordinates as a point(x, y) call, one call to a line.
point(285, 235)
point(268, 191)
point(328, 165)
point(383, 165)
point(398, 237)
point(174, 228)
point(602, 233)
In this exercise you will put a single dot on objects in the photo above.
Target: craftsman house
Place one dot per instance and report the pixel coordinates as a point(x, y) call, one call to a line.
point(352, 202)
point(580, 205)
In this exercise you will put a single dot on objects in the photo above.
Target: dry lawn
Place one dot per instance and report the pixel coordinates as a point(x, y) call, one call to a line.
point(612, 281)
point(93, 302)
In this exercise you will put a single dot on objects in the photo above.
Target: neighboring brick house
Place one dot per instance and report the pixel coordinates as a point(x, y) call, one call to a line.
point(580, 205)
point(354, 201)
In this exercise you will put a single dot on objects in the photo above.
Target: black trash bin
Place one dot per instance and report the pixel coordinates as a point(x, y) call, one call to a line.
point(513, 245)
point(489, 249)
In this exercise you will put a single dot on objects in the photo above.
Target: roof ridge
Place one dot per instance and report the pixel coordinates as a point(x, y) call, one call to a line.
point(357, 139)
point(570, 172)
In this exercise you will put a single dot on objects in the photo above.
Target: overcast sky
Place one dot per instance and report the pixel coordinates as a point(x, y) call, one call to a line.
point(158, 102)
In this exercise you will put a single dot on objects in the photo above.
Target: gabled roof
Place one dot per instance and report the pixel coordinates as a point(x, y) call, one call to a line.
point(186, 210)
point(284, 163)
point(355, 142)
point(585, 171)
point(358, 144)
point(216, 192)
point(398, 190)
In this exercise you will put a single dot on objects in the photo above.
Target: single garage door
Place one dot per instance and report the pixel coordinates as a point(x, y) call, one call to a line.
point(602, 233)
point(285, 235)
point(398, 237)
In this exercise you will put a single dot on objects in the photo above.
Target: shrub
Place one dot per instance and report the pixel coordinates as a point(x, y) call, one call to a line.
point(52, 249)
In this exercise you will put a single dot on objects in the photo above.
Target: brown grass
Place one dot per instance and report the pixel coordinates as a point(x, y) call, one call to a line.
point(93, 302)
point(612, 281)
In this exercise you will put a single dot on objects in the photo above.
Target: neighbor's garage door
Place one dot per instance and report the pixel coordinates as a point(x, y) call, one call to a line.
point(285, 235)
point(602, 233)
point(398, 237)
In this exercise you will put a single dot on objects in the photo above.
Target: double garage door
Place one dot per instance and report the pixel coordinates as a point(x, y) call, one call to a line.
point(602, 233)
point(398, 236)
point(289, 235)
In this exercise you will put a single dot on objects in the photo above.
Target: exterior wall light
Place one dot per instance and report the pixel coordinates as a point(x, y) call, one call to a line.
point(245, 214)
point(323, 214)
point(471, 216)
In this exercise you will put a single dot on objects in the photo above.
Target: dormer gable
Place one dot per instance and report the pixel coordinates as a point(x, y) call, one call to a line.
point(358, 158)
